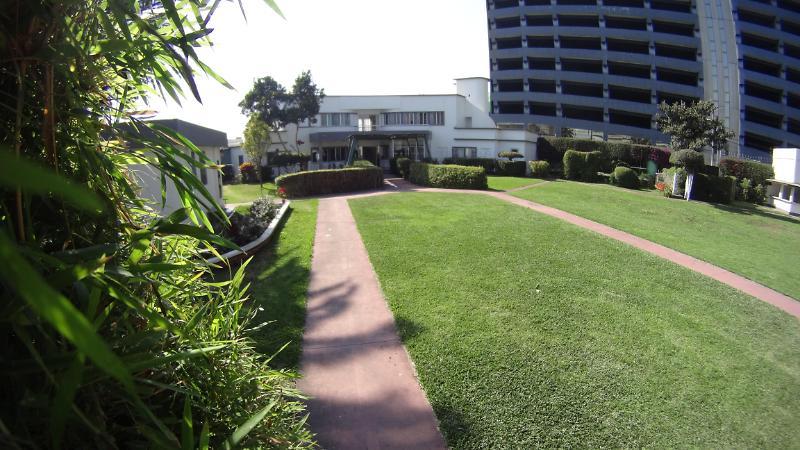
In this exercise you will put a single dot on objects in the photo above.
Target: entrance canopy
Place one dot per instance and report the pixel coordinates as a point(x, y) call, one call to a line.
point(419, 137)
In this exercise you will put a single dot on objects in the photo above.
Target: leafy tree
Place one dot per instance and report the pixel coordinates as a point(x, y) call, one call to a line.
point(273, 104)
point(256, 141)
point(567, 133)
point(115, 334)
point(693, 126)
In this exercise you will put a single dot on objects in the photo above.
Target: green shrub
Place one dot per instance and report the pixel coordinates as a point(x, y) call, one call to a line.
point(488, 164)
point(510, 155)
point(708, 188)
point(690, 160)
point(647, 181)
point(582, 166)
point(552, 149)
point(404, 167)
point(757, 172)
point(510, 168)
point(625, 177)
point(539, 169)
point(448, 176)
point(321, 182)
point(362, 163)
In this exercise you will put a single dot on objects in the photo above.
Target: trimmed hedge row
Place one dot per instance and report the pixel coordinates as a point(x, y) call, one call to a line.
point(488, 164)
point(582, 166)
point(510, 168)
point(625, 177)
point(448, 176)
point(321, 182)
point(552, 149)
point(539, 169)
point(708, 188)
point(757, 172)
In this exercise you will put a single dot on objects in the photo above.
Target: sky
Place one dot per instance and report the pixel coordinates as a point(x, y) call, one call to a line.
point(351, 47)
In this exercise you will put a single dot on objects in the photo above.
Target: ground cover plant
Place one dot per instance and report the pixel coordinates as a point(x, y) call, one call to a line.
point(497, 183)
point(560, 338)
point(279, 275)
point(755, 242)
point(113, 334)
point(245, 193)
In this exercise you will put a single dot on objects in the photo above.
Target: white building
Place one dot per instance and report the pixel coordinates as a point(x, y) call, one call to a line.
point(149, 178)
point(785, 188)
point(380, 127)
point(234, 155)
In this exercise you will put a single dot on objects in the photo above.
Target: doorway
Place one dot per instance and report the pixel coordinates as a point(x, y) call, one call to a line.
point(370, 154)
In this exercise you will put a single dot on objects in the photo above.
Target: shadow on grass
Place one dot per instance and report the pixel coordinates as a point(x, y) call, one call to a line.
point(452, 423)
point(278, 283)
point(752, 210)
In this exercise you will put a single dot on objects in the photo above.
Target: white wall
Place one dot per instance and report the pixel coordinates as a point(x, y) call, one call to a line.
point(148, 178)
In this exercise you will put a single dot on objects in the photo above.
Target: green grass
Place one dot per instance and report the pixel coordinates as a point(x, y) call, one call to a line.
point(243, 193)
point(279, 276)
point(527, 331)
point(506, 183)
point(755, 242)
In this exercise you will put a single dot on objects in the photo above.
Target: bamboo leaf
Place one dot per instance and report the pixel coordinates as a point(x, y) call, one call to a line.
point(64, 398)
point(58, 311)
point(241, 432)
point(35, 179)
point(204, 438)
point(187, 429)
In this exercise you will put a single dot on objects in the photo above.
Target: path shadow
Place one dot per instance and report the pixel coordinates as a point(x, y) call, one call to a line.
point(752, 210)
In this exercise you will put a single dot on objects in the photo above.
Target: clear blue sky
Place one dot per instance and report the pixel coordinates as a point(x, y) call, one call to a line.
point(351, 47)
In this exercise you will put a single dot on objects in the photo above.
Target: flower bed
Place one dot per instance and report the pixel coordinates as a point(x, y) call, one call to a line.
point(251, 231)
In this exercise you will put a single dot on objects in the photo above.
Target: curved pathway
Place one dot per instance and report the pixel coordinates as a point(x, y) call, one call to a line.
point(364, 389)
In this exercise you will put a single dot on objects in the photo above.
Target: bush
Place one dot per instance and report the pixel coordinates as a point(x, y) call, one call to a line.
point(757, 172)
point(553, 149)
point(647, 181)
point(510, 155)
point(488, 164)
point(248, 171)
point(582, 166)
point(625, 177)
point(363, 163)
point(708, 188)
point(227, 173)
point(690, 160)
point(539, 169)
point(448, 176)
point(510, 168)
point(404, 167)
point(321, 182)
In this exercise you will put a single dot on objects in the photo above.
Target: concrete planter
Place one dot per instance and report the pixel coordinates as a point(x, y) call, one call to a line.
point(252, 247)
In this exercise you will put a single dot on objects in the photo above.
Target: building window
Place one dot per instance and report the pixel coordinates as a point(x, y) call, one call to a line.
point(465, 152)
point(330, 154)
point(204, 175)
point(241, 159)
point(435, 118)
point(334, 119)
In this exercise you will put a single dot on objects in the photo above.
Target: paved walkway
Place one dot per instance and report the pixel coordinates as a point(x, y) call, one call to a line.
point(365, 394)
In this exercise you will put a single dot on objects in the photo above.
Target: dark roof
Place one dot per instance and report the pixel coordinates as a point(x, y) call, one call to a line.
point(338, 136)
point(199, 135)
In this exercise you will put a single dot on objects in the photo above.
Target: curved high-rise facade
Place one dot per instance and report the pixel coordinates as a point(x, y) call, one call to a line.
point(605, 65)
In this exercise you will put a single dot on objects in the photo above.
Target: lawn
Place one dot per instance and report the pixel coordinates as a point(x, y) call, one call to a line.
point(243, 193)
point(507, 183)
point(527, 331)
point(279, 276)
point(755, 242)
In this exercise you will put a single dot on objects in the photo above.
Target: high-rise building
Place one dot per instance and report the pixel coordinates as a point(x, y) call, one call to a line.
point(605, 65)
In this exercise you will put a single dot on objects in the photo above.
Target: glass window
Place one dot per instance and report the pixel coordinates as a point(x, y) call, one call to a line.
point(435, 118)
point(465, 152)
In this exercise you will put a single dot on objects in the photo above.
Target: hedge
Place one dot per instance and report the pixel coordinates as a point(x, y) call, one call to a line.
point(708, 188)
point(488, 164)
point(582, 166)
point(448, 176)
point(757, 172)
point(321, 182)
point(625, 177)
point(552, 149)
point(539, 169)
point(403, 167)
point(510, 168)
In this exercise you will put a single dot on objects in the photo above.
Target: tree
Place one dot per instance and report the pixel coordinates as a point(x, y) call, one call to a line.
point(256, 141)
point(693, 126)
point(567, 133)
point(271, 103)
